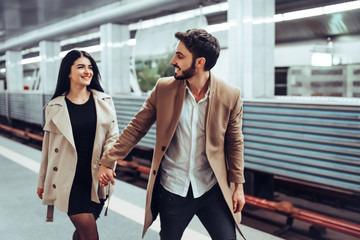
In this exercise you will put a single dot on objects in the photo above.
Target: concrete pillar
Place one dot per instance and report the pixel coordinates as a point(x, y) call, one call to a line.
point(49, 65)
point(115, 58)
point(251, 46)
point(14, 71)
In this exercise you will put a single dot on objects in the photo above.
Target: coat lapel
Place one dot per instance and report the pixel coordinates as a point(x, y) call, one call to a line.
point(213, 86)
point(178, 106)
point(96, 148)
point(168, 117)
point(101, 116)
point(61, 120)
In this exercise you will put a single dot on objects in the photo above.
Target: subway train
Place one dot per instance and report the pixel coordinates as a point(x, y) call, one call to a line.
point(308, 143)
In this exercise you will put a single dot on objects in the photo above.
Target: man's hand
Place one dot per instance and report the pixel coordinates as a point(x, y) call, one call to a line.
point(238, 198)
point(105, 175)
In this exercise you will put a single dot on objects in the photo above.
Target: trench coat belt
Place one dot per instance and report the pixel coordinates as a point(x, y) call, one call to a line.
point(50, 213)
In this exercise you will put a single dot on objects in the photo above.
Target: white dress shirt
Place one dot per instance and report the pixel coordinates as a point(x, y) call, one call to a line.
point(185, 160)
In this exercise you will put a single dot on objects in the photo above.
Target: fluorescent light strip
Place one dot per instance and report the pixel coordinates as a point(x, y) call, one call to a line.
point(83, 38)
point(303, 14)
point(31, 60)
point(30, 50)
point(291, 15)
point(335, 8)
point(220, 27)
point(90, 49)
point(225, 6)
point(341, 7)
point(140, 25)
point(179, 16)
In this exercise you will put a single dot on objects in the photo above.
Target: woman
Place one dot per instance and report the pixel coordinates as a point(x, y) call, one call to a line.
point(80, 126)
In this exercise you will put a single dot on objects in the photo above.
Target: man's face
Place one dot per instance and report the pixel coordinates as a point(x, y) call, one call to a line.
point(183, 63)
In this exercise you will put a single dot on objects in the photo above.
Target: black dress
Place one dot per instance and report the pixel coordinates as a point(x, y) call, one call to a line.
point(83, 123)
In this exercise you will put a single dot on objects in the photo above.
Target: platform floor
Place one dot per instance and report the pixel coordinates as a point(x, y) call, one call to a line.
point(22, 216)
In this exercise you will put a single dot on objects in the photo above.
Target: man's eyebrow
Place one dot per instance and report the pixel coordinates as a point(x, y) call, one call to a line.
point(180, 53)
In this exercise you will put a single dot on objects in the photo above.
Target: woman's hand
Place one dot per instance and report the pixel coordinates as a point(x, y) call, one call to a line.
point(105, 175)
point(40, 192)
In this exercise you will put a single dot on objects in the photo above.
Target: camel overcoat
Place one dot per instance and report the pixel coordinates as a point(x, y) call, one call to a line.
point(59, 157)
point(224, 138)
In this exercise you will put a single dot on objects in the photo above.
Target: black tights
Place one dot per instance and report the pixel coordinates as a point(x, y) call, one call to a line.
point(85, 225)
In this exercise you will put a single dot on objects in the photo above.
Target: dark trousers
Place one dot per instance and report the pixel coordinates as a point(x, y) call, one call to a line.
point(176, 213)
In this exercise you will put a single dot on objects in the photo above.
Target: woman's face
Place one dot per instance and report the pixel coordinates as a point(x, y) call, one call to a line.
point(81, 72)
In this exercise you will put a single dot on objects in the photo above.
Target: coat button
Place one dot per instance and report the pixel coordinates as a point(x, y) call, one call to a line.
point(54, 186)
point(154, 172)
point(55, 169)
point(56, 150)
point(163, 148)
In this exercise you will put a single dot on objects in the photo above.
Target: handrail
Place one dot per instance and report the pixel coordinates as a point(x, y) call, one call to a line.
point(134, 166)
point(21, 133)
point(304, 215)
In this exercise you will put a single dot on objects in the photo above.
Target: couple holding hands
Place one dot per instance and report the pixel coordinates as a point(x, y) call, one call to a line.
point(197, 166)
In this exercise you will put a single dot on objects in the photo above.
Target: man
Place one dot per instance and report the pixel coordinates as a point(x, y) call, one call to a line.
point(197, 166)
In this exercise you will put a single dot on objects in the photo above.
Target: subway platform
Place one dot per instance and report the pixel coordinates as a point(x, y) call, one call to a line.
point(23, 216)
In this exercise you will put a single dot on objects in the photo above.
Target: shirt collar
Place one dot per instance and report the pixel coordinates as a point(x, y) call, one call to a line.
point(201, 100)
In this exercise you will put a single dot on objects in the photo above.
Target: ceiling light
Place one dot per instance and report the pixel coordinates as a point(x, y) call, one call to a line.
point(341, 7)
point(303, 14)
point(179, 16)
point(30, 60)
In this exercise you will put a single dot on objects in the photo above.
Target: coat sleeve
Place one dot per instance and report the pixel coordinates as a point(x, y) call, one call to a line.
point(44, 159)
point(113, 133)
point(234, 143)
point(133, 133)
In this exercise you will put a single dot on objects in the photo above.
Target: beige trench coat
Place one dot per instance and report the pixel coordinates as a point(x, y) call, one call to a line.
point(59, 157)
point(224, 138)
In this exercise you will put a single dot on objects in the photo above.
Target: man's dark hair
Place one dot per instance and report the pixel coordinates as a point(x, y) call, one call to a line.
point(201, 44)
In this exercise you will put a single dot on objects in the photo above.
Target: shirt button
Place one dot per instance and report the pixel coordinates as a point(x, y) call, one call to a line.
point(163, 148)
point(56, 150)
point(154, 172)
point(54, 186)
point(55, 169)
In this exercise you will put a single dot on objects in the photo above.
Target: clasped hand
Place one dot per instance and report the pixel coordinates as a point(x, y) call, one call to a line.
point(105, 175)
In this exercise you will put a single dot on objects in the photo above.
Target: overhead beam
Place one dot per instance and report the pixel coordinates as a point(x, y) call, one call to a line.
point(118, 12)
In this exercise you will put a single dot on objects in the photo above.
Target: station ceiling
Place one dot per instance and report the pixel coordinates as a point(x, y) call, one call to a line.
point(20, 16)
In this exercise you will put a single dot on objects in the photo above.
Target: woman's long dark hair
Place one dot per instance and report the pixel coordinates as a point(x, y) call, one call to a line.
point(63, 82)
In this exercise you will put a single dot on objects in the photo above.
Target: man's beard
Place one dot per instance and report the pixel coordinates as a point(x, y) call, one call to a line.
point(187, 73)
